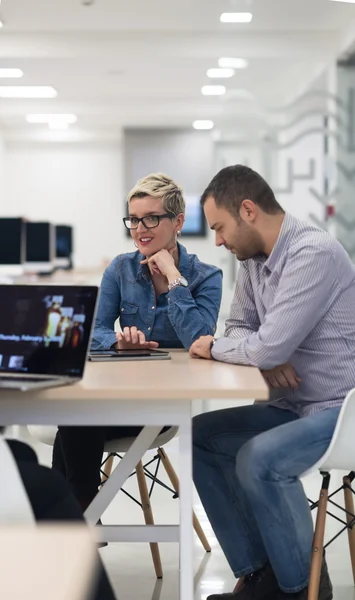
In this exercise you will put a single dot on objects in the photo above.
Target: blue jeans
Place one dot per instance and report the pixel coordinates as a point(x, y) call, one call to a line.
point(247, 464)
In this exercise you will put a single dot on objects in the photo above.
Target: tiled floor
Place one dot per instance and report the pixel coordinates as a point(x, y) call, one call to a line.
point(130, 566)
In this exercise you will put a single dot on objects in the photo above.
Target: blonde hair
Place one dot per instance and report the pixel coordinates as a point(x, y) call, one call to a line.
point(158, 185)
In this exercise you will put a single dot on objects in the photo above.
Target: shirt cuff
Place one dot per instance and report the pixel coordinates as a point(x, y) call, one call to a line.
point(177, 292)
point(229, 350)
point(104, 344)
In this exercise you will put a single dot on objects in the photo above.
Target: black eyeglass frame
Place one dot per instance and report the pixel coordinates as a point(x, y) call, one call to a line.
point(141, 220)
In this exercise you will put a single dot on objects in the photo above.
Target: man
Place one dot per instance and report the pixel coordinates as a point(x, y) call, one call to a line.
point(292, 316)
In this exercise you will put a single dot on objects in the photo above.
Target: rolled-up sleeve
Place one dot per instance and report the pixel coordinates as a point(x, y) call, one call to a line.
point(306, 290)
point(193, 314)
point(108, 311)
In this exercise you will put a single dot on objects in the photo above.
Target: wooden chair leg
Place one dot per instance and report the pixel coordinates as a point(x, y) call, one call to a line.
point(349, 506)
point(107, 469)
point(318, 541)
point(175, 483)
point(239, 586)
point(148, 516)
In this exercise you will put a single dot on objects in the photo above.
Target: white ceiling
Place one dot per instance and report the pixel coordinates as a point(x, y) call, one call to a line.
point(143, 62)
point(167, 15)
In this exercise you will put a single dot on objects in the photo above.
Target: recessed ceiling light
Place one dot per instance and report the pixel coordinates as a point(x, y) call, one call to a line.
point(233, 63)
point(1, 24)
point(213, 90)
point(48, 118)
point(203, 124)
point(345, 1)
point(220, 73)
point(237, 17)
point(27, 91)
point(11, 73)
point(58, 125)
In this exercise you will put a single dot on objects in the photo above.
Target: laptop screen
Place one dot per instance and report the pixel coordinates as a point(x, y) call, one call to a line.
point(45, 329)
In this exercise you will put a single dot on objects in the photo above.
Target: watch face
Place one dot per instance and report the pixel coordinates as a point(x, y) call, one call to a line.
point(184, 282)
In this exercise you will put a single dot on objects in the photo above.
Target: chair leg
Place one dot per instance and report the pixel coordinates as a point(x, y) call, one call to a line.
point(318, 540)
point(349, 507)
point(148, 516)
point(107, 468)
point(175, 483)
point(240, 585)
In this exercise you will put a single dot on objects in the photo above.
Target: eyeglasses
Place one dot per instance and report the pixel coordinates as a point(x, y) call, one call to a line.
point(149, 222)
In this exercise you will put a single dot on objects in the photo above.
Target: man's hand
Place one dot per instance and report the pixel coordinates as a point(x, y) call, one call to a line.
point(202, 347)
point(283, 376)
point(132, 338)
point(163, 263)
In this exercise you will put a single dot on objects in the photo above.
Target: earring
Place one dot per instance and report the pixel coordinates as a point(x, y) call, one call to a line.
point(178, 233)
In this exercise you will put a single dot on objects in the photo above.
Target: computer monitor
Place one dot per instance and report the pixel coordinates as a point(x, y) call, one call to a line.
point(12, 246)
point(39, 247)
point(64, 246)
point(195, 222)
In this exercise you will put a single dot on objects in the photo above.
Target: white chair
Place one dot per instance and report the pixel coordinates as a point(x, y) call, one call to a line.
point(117, 447)
point(339, 456)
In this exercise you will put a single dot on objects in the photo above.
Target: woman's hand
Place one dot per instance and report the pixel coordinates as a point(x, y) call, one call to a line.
point(132, 338)
point(162, 263)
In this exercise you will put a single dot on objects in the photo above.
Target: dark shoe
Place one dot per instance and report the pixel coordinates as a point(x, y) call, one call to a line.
point(261, 585)
point(325, 588)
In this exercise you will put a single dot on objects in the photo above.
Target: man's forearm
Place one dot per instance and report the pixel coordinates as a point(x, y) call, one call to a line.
point(231, 350)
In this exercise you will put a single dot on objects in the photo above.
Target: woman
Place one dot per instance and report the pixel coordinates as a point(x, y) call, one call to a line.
point(163, 297)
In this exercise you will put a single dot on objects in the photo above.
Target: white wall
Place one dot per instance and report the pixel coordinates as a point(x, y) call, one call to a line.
point(82, 185)
point(299, 200)
point(78, 184)
point(2, 171)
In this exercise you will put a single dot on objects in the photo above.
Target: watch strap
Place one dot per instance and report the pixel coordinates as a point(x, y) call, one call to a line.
point(175, 283)
point(212, 344)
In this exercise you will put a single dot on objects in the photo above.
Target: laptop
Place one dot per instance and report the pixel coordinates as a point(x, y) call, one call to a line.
point(45, 334)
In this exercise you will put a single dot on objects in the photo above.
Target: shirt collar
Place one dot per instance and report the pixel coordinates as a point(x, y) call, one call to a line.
point(184, 264)
point(282, 243)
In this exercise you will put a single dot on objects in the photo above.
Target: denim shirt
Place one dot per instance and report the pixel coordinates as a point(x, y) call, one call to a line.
point(175, 319)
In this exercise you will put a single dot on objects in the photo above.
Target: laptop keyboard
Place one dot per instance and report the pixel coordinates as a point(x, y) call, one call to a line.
point(26, 379)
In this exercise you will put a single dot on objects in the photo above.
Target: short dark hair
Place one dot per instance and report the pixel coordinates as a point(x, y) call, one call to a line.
point(234, 184)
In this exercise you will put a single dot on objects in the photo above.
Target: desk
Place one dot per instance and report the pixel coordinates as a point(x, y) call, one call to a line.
point(151, 394)
point(44, 562)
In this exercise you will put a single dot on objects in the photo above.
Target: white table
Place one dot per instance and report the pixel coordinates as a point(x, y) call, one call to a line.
point(44, 562)
point(152, 394)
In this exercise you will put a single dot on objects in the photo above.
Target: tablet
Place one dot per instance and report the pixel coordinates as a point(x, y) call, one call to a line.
point(118, 355)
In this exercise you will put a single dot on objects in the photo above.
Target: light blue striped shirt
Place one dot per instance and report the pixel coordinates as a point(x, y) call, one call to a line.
point(297, 306)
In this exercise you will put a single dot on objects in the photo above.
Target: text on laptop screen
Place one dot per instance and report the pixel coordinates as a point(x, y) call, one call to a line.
point(45, 329)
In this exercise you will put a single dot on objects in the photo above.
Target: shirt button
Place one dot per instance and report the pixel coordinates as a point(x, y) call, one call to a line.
point(149, 328)
point(122, 309)
point(153, 307)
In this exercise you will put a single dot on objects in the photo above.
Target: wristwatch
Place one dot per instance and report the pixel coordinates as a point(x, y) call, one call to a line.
point(212, 344)
point(179, 281)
